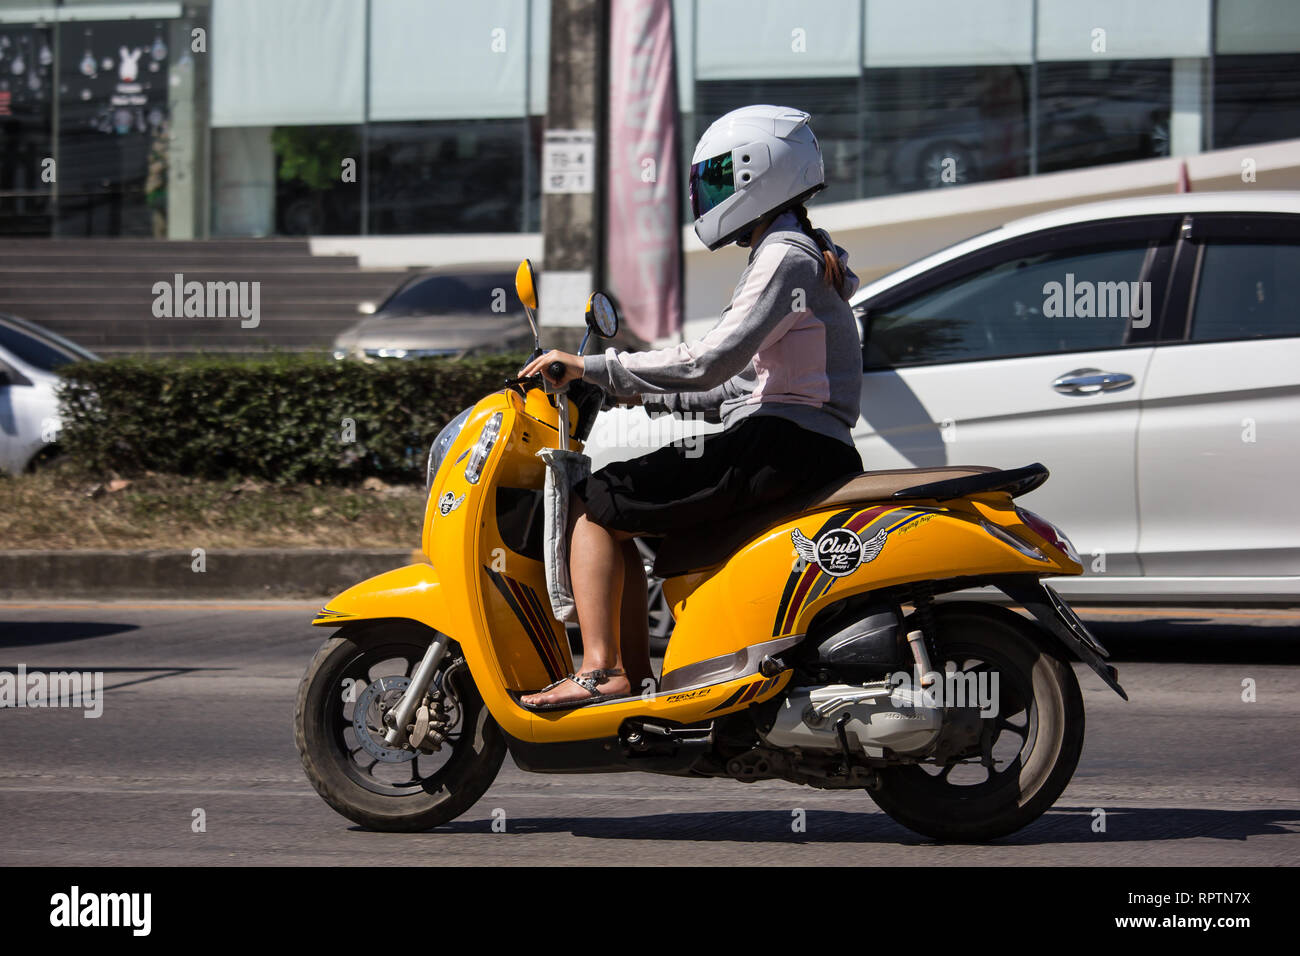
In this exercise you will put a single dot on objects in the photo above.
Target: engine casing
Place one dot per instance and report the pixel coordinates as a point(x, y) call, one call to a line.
point(879, 716)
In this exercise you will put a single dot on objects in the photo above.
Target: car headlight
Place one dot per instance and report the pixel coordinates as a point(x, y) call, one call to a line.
point(438, 450)
point(486, 439)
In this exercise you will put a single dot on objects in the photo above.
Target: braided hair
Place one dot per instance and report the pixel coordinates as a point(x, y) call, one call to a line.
point(833, 274)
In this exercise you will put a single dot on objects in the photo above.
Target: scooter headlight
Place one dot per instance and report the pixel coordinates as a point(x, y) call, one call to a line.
point(486, 439)
point(438, 450)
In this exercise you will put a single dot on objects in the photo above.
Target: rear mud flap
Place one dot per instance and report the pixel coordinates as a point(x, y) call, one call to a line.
point(1059, 618)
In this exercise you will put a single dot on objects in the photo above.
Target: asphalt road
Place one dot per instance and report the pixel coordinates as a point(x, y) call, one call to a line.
point(198, 706)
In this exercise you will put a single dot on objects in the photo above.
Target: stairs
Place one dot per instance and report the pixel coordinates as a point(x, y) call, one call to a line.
point(99, 292)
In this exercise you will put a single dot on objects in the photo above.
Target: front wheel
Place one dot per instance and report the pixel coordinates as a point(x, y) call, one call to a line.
point(995, 772)
point(357, 677)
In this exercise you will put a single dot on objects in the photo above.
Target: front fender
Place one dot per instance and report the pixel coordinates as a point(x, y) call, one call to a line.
point(412, 592)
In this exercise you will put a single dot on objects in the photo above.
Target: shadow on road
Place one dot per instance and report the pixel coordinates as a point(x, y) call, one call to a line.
point(34, 633)
point(1057, 826)
point(1196, 641)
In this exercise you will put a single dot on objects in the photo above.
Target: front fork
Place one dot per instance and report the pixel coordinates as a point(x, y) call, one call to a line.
point(404, 712)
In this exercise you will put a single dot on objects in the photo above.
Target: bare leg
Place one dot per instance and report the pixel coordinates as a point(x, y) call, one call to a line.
point(596, 568)
point(634, 620)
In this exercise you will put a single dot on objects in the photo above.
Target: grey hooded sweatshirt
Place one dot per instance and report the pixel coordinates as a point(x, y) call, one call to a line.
point(787, 345)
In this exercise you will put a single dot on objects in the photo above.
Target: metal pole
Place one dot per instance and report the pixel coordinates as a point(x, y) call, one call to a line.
point(524, 205)
point(54, 118)
point(862, 102)
point(1033, 91)
point(1207, 98)
point(601, 185)
point(365, 131)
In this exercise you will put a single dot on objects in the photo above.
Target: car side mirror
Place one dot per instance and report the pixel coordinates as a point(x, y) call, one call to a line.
point(366, 308)
point(11, 376)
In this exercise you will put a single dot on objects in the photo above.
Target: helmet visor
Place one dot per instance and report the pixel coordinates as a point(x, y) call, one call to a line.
point(711, 183)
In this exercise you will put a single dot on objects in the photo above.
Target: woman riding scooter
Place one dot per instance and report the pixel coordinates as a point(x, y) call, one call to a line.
point(781, 370)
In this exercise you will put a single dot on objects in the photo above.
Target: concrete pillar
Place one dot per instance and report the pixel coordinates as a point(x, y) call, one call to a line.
point(187, 141)
point(571, 220)
point(1187, 112)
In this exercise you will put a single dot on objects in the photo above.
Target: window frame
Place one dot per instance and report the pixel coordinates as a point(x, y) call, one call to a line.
point(1159, 231)
point(1197, 232)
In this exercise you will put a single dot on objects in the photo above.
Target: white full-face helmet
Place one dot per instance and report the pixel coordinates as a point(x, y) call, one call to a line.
point(751, 162)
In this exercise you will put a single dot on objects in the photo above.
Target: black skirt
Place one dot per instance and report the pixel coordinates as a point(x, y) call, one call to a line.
point(726, 475)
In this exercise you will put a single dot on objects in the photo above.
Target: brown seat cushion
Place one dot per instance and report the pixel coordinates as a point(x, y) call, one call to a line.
point(706, 546)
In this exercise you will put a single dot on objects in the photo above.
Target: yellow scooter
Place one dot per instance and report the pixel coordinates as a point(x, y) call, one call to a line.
point(808, 645)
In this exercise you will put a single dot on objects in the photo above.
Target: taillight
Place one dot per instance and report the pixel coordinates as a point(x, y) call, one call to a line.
point(1049, 533)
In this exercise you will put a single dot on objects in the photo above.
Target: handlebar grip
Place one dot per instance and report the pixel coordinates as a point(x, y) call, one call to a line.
point(555, 370)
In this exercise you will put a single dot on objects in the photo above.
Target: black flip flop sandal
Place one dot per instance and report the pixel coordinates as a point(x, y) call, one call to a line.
point(589, 683)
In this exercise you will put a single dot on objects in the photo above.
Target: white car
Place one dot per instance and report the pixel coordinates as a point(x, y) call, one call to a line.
point(1146, 350)
point(29, 407)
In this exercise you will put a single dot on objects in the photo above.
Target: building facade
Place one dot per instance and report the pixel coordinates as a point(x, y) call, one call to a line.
point(245, 118)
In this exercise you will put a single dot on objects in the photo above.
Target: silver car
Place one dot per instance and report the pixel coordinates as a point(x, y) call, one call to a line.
point(441, 314)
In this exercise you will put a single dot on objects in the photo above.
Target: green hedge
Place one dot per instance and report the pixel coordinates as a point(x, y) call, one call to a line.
point(280, 419)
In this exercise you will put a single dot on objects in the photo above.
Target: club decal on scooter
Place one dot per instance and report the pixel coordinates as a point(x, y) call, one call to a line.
point(449, 503)
point(838, 551)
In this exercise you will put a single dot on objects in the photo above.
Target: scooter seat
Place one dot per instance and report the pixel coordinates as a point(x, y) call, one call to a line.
point(709, 545)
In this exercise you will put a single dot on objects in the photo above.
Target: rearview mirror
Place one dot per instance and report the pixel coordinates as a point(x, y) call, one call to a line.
point(526, 284)
point(526, 289)
point(602, 317)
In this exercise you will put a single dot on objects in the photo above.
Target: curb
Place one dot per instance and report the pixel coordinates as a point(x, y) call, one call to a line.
point(246, 573)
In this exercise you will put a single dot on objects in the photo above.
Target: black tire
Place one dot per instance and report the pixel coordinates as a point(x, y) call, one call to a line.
point(321, 722)
point(925, 799)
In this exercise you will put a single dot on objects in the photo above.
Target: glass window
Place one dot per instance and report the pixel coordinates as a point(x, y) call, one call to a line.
point(1075, 301)
point(452, 176)
point(113, 128)
point(945, 126)
point(313, 196)
point(26, 102)
point(1256, 99)
point(1247, 290)
point(1102, 111)
point(449, 294)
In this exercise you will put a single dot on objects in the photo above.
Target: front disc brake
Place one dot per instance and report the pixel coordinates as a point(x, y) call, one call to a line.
point(377, 700)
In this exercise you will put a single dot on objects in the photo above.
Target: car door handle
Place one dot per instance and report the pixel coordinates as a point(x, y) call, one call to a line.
point(1091, 381)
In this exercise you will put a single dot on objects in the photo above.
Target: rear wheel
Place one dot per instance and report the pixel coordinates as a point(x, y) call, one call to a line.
point(996, 773)
point(357, 677)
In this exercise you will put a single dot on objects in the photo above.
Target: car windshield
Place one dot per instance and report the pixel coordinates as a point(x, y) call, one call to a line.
point(474, 292)
point(46, 354)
